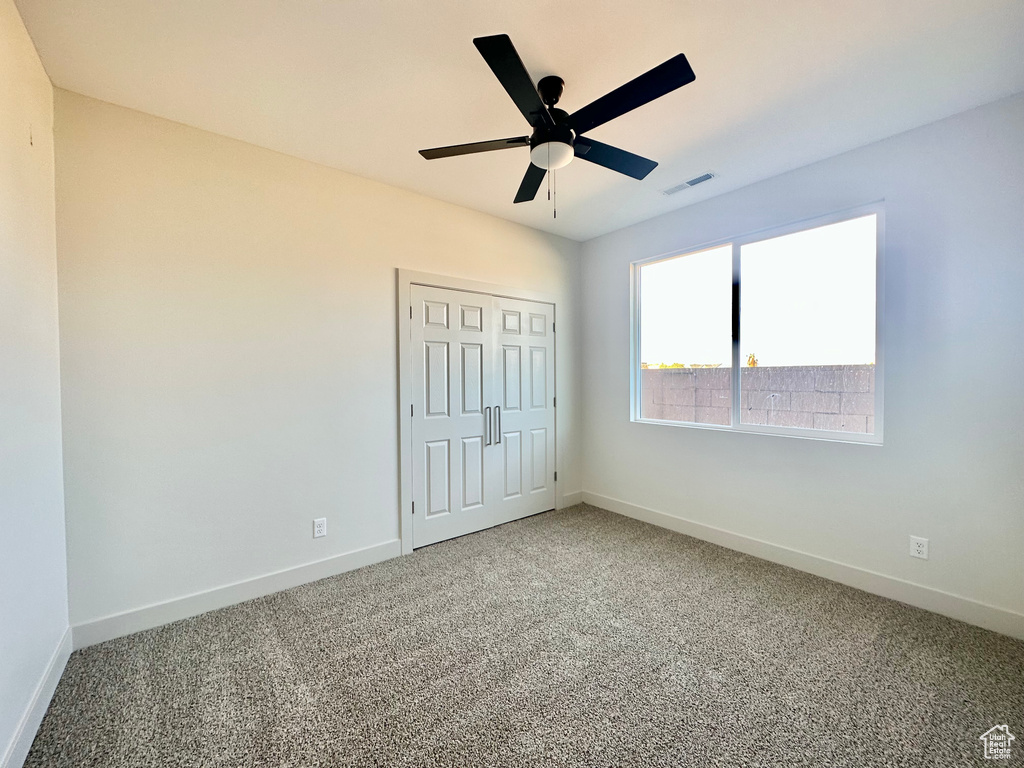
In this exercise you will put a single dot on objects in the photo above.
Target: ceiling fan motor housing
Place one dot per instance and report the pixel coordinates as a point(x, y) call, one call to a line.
point(552, 148)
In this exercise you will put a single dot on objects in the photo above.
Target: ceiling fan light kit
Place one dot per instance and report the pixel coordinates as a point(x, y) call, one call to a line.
point(557, 136)
point(551, 155)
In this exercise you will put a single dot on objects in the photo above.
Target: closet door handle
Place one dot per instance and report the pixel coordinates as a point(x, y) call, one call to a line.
point(487, 425)
point(497, 413)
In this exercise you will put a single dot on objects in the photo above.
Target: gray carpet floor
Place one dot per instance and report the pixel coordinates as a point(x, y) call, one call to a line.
point(574, 638)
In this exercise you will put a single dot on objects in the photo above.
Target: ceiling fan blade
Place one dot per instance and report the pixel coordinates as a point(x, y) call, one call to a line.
point(531, 183)
point(664, 78)
point(478, 146)
point(504, 61)
point(613, 158)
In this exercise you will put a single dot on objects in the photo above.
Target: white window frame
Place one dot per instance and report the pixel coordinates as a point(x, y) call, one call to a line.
point(737, 243)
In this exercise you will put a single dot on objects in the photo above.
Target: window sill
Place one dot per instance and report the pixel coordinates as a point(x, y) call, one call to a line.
point(851, 438)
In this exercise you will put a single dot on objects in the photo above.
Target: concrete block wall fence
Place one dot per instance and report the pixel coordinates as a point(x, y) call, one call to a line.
point(834, 397)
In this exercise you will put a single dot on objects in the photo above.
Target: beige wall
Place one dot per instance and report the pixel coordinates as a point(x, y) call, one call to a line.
point(951, 466)
point(33, 590)
point(229, 351)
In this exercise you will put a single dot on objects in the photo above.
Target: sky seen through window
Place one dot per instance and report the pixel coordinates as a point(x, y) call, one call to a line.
point(807, 298)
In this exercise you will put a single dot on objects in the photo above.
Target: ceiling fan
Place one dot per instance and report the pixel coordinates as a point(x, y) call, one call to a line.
point(557, 135)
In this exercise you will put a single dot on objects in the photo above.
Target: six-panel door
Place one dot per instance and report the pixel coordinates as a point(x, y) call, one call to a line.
point(526, 393)
point(483, 416)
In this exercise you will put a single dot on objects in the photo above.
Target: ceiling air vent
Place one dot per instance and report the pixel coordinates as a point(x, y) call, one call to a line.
point(691, 183)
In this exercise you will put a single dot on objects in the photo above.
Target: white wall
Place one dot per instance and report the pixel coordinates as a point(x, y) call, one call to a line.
point(228, 351)
point(33, 582)
point(952, 467)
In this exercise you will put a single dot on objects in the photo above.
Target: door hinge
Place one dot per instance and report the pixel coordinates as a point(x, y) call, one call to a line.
point(552, 327)
point(414, 507)
point(410, 312)
point(556, 477)
point(411, 412)
point(554, 402)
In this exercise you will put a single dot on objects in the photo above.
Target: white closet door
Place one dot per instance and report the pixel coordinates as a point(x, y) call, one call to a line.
point(452, 374)
point(479, 361)
point(526, 407)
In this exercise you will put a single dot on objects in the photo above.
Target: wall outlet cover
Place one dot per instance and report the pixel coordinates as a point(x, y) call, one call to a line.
point(319, 527)
point(919, 547)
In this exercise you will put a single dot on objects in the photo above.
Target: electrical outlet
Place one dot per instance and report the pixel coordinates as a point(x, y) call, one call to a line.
point(919, 547)
point(319, 527)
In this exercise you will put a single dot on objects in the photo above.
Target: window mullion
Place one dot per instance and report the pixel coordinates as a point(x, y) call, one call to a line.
point(735, 378)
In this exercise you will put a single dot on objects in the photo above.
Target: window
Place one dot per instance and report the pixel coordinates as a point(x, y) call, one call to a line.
point(775, 332)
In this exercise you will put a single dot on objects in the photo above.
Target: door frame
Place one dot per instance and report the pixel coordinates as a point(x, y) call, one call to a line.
point(404, 280)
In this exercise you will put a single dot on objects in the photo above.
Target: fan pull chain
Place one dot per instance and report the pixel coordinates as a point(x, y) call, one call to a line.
point(550, 173)
point(552, 181)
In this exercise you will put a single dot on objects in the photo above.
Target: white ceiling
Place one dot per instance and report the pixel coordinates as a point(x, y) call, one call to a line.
point(361, 85)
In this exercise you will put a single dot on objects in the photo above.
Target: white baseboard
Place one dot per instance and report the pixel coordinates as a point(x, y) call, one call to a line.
point(150, 616)
point(25, 733)
point(571, 499)
point(945, 603)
